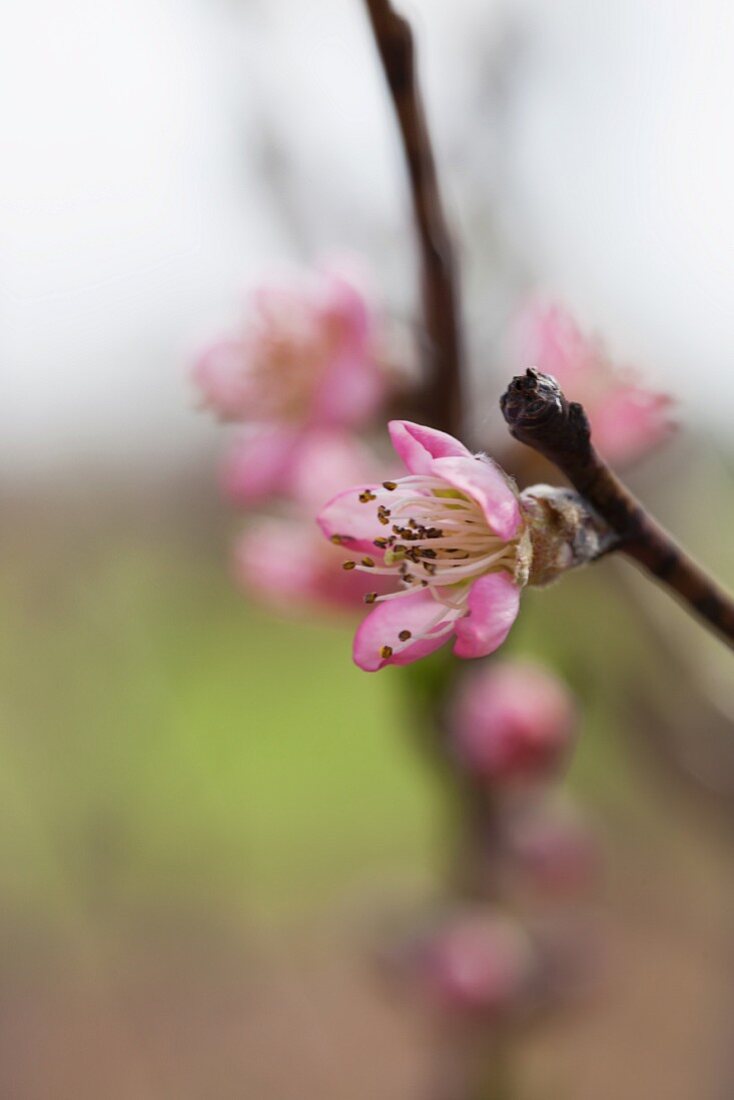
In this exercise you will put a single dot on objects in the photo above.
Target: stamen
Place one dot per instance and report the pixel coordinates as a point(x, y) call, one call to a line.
point(369, 597)
point(369, 562)
point(349, 565)
point(404, 635)
point(386, 652)
point(367, 496)
point(390, 485)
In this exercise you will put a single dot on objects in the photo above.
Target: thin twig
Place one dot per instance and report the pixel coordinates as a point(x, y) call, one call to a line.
point(442, 405)
point(539, 415)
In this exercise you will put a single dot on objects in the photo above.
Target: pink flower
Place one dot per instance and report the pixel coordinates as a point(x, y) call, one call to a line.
point(306, 357)
point(627, 420)
point(451, 534)
point(513, 720)
point(478, 963)
point(287, 564)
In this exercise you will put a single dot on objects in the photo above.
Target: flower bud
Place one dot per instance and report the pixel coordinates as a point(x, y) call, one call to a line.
point(478, 963)
point(553, 848)
point(513, 721)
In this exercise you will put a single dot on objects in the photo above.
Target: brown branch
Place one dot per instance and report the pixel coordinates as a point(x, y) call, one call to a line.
point(442, 401)
point(539, 415)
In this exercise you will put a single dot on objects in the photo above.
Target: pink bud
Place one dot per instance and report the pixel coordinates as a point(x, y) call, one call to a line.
point(627, 420)
point(478, 963)
point(554, 848)
point(513, 720)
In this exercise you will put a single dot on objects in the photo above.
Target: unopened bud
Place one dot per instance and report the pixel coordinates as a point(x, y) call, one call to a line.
point(479, 963)
point(513, 720)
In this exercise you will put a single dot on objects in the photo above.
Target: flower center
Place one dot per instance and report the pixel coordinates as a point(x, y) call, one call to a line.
point(437, 539)
point(291, 356)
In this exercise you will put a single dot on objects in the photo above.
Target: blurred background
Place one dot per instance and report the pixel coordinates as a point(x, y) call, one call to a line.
point(206, 810)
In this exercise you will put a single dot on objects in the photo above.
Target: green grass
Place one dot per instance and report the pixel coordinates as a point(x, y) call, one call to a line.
point(161, 739)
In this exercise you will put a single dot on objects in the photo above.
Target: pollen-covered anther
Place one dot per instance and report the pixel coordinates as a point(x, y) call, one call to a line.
point(369, 562)
point(390, 485)
point(386, 652)
point(349, 565)
point(366, 496)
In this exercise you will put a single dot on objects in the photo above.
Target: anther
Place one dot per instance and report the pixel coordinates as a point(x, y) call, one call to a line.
point(349, 565)
point(390, 485)
point(369, 597)
point(367, 496)
point(386, 652)
point(404, 635)
point(369, 562)
point(382, 544)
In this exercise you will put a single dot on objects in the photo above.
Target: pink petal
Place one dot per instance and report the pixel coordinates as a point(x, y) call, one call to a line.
point(327, 461)
point(494, 601)
point(280, 562)
point(418, 446)
point(345, 298)
point(221, 376)
point(383, 625)
point(260, 465)
point(351, 390)
point(484, 482)
point(629, 422)
point(551, 340)
point(356, 522)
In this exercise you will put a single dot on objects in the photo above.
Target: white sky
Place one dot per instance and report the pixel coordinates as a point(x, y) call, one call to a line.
point(131, 215)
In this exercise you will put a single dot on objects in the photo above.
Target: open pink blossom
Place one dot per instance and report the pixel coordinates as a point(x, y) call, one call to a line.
point(306, 357)
point(513, 720)
point(286, 564)
point(451, 535)
point(306, 467)
point(478, 963)
point(627, 419)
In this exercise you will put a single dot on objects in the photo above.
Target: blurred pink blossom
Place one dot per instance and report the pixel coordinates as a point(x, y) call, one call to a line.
point(513, 720)
point(306, 357)
point(627, 419)
point(479, 962)
point(287, 564)
point(451, 534)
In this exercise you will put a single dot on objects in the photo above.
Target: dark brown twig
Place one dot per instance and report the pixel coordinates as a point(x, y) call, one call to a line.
point(441, 307)
point(539, 415)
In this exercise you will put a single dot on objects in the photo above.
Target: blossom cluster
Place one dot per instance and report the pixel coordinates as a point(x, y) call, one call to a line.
point(440, 551)
point(303, 375)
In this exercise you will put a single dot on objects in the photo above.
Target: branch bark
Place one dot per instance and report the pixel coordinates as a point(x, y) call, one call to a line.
point(442, 401)
point(539, 416)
